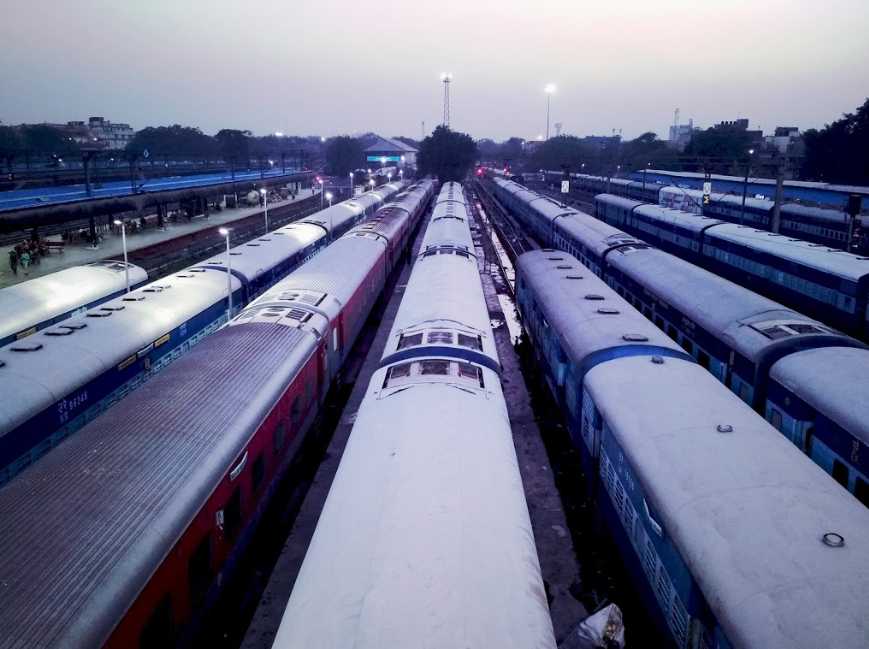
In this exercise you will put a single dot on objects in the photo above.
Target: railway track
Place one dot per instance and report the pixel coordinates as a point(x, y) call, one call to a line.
point(510, 233)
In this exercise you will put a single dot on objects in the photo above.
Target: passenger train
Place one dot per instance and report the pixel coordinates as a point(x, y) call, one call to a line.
point(123, 534)
point(57, 380)
point(822, 225)
point(828, 284)
point(43, 301)
point(425, 538)
point(777, 360)
point(736, 538)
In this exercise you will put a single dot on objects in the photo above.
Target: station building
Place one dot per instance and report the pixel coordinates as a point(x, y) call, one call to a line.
point(389, 152)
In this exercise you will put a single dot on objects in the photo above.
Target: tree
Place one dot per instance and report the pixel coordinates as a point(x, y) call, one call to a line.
point(724, 147)
point(343, 155)
point(41, 140)
point(648, 151)
point(234, 146)
point(447, 154)
point(176, 142)
point(839, 152)
point(10, 145)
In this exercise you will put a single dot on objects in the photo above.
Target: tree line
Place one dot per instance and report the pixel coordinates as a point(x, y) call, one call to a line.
point(837, 153)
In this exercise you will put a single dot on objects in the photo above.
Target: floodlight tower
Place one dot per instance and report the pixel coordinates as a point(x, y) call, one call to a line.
point(447, 78)
point(549, 90)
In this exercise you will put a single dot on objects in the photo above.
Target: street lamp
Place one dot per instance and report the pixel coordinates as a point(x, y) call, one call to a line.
point(329, 198)
point(225, 233)
point(265, 196)
point(351, 184)
point(124, 244)
point(321, 193)
point(371, 182)
point(745, 185)
point(549, 90)
point(400, 175)
point(648, 164)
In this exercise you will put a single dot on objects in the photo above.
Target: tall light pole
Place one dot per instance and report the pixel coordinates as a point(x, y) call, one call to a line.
point(265, 194)
point(648, 164)
point(400, 175)
point(225, 232)
point(329, 198)
point(446, 78)
point(351, 184)
point(549, 90)
point(321, 193)
point(745, 185)
point(124, 245)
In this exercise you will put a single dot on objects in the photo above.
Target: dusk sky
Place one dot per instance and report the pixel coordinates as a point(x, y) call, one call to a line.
point(329, 67)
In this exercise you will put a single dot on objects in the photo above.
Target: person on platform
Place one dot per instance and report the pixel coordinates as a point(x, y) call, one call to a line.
point(25, 261)
point(13, 261)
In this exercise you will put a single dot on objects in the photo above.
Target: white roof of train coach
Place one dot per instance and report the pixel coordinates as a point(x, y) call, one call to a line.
point(746, 509)
point(338, 214)
point(594, 233)
point(832, 380)
point(726, 310)
point(425, 537)
point(829, 260)
point(253, 258)
point(586, 312)
point(43, 298)
point(678, 218)
point(448, 226)
point(31, 381)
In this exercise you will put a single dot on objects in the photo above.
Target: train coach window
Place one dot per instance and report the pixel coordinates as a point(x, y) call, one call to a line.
point(434, 367)
point(443, 337)
point(471, 342)
point(397, 372)
point(199, 570)
point(671, 331)
point(468, 371)
point(861, 490)
point(775, 419)
point(159, 630)
point(409, 341)
point(278, 439)
point(840, 473)
point(258, 471)
point(703, 359)
point(296, 410)
point(232, 514)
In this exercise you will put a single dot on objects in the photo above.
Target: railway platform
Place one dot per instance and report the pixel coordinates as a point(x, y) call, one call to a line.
point(75, 254)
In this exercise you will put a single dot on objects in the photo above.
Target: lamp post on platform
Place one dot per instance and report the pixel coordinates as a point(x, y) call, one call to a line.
point(124, 245)
point(225, 232)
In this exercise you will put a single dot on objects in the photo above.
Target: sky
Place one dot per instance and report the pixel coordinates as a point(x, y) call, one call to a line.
point(330, 67)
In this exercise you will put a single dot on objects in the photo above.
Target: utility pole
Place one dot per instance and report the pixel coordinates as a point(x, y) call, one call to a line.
point(745, 186)
point(855, 202)
point(422, 133)
point(775, 223)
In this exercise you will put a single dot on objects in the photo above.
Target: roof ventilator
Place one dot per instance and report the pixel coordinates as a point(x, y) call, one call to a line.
point(833, 540)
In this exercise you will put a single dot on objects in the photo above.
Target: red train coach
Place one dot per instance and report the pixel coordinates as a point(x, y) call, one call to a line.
point(126, 532)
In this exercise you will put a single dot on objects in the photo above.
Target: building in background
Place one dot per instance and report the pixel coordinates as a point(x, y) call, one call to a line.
point(785, 138)
point(680, 135)
point(389, 152)
point(112, 135)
